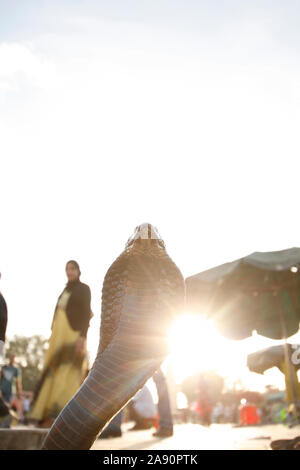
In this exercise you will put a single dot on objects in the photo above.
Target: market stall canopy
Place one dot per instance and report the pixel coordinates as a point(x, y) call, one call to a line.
point(259, 292)
point(265, 359)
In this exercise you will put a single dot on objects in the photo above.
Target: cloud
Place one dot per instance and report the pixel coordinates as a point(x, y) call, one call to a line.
point(20, 65)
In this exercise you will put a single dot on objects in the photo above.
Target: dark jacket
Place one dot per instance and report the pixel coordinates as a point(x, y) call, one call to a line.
point(3, 318)
point(78, 308)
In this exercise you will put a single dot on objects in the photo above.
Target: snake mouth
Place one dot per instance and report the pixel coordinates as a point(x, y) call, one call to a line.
point(145, 233)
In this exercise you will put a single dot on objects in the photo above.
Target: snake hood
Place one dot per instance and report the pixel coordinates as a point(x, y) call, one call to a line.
point(142, 274)
point(142, 292)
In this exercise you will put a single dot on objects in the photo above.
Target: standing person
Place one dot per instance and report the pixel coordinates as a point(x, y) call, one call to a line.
point(4, 410)
point(142, 410)
point(65, 360)
point(9, 374)
point(3, 325)
point(26, 407)
point(165, 428)
point(204, 406)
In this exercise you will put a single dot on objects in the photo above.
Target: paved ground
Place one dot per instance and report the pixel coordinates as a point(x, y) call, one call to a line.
point(196, 437)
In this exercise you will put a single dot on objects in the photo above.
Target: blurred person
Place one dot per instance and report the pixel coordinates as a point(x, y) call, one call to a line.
point(194, 413)
point(5, 412)
point(165, 427)
point(204, 407)
point(214, 414)
point(235, 413)
point(228, 414)
point(259, 413)
point(276, 412)
point(138, 411)
point(3, 325)
point(265, 414)
point(10, 374)
point(17, 406)
point(66, 358)
point(26, 407)
point(142, 410)
point(217, 413)
point(248, 414)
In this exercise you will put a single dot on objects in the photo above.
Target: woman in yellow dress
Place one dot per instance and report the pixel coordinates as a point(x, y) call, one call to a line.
point(65, 360)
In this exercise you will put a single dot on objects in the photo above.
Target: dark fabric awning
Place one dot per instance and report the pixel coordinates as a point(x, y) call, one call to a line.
point(256, 292)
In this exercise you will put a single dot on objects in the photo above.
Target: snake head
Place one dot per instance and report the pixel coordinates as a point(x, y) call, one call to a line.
point(146, 234)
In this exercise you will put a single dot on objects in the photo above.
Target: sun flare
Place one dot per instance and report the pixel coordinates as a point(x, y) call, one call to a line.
point(194, 345)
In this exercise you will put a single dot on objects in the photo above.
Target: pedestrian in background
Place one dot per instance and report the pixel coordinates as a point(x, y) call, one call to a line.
point(3, 325)
point(5, 413)
point(65, 360)
point(10, 374)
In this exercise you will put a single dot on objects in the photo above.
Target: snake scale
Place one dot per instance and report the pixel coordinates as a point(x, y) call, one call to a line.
point(143, 290)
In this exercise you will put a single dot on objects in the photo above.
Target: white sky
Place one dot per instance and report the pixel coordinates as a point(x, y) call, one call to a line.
point(184, 114)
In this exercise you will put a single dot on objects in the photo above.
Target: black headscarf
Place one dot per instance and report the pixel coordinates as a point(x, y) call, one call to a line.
point(78, 308)
point(71, 284)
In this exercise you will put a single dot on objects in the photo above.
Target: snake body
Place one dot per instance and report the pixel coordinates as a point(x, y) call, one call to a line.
point(142, 292)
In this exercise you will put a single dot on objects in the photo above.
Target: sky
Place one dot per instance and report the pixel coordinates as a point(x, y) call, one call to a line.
point(182, 114)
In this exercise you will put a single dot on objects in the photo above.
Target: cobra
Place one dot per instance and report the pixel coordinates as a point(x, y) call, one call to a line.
point(143, 291)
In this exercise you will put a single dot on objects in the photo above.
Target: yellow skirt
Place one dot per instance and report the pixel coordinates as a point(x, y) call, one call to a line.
point(63, 371)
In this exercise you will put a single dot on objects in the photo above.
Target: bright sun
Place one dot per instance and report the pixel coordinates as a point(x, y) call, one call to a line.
point(196, 346)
